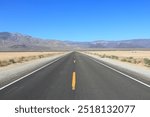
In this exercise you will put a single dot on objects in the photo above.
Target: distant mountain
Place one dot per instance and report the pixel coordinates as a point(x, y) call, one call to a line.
point(20, 42)
point(134, 43)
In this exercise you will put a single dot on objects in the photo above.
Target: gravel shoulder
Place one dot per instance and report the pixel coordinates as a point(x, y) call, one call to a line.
point(13, 72)
point(138, 72)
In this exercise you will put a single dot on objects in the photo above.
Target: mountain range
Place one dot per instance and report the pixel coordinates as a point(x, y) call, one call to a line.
point(20, 42)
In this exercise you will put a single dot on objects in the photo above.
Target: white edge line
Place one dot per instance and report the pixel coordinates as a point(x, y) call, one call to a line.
point(31, 73)
point(120, 72)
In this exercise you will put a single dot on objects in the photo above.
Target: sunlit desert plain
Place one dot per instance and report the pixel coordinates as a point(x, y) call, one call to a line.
point(7, 58)
point(135, 57)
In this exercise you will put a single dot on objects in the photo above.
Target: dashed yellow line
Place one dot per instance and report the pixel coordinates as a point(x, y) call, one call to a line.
point(73, 80)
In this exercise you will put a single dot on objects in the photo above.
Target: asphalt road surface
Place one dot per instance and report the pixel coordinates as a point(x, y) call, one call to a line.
point(76, 77)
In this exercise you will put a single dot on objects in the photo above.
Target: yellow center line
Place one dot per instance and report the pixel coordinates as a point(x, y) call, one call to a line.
point(73, 80)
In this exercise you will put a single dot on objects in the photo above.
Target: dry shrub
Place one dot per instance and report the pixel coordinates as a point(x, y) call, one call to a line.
point(103, 56)
point(4, 63)
point(114, 57)
point(124, 59)
point(146, 62)
point(130, 60)
point(12, 61)
point(24, 58)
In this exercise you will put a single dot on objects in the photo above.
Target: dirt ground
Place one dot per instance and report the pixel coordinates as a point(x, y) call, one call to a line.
point(141, 58)
point(10, 55)
point(135, 54)
point(7, 58)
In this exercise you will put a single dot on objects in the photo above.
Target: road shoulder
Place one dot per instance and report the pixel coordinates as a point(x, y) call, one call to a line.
point(13, 72)
point(139, 73)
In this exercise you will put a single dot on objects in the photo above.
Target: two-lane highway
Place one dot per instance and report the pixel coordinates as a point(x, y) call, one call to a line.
point(76, 76)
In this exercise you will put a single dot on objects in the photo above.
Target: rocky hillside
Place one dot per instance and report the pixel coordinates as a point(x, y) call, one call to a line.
point(20, 42)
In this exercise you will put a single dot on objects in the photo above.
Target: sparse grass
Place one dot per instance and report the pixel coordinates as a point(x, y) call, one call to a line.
point(134, 57)
point(20, 57)
point(108, 56)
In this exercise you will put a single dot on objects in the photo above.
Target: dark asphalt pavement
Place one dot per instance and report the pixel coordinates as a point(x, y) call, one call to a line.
point(93, 81)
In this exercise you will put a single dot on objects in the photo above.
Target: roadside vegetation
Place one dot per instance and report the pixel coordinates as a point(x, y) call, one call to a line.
point(147, 62)
point(130, 59)
point(4, 61)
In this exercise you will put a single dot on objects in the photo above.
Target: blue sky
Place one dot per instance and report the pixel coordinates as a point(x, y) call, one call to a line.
point(77, 20)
